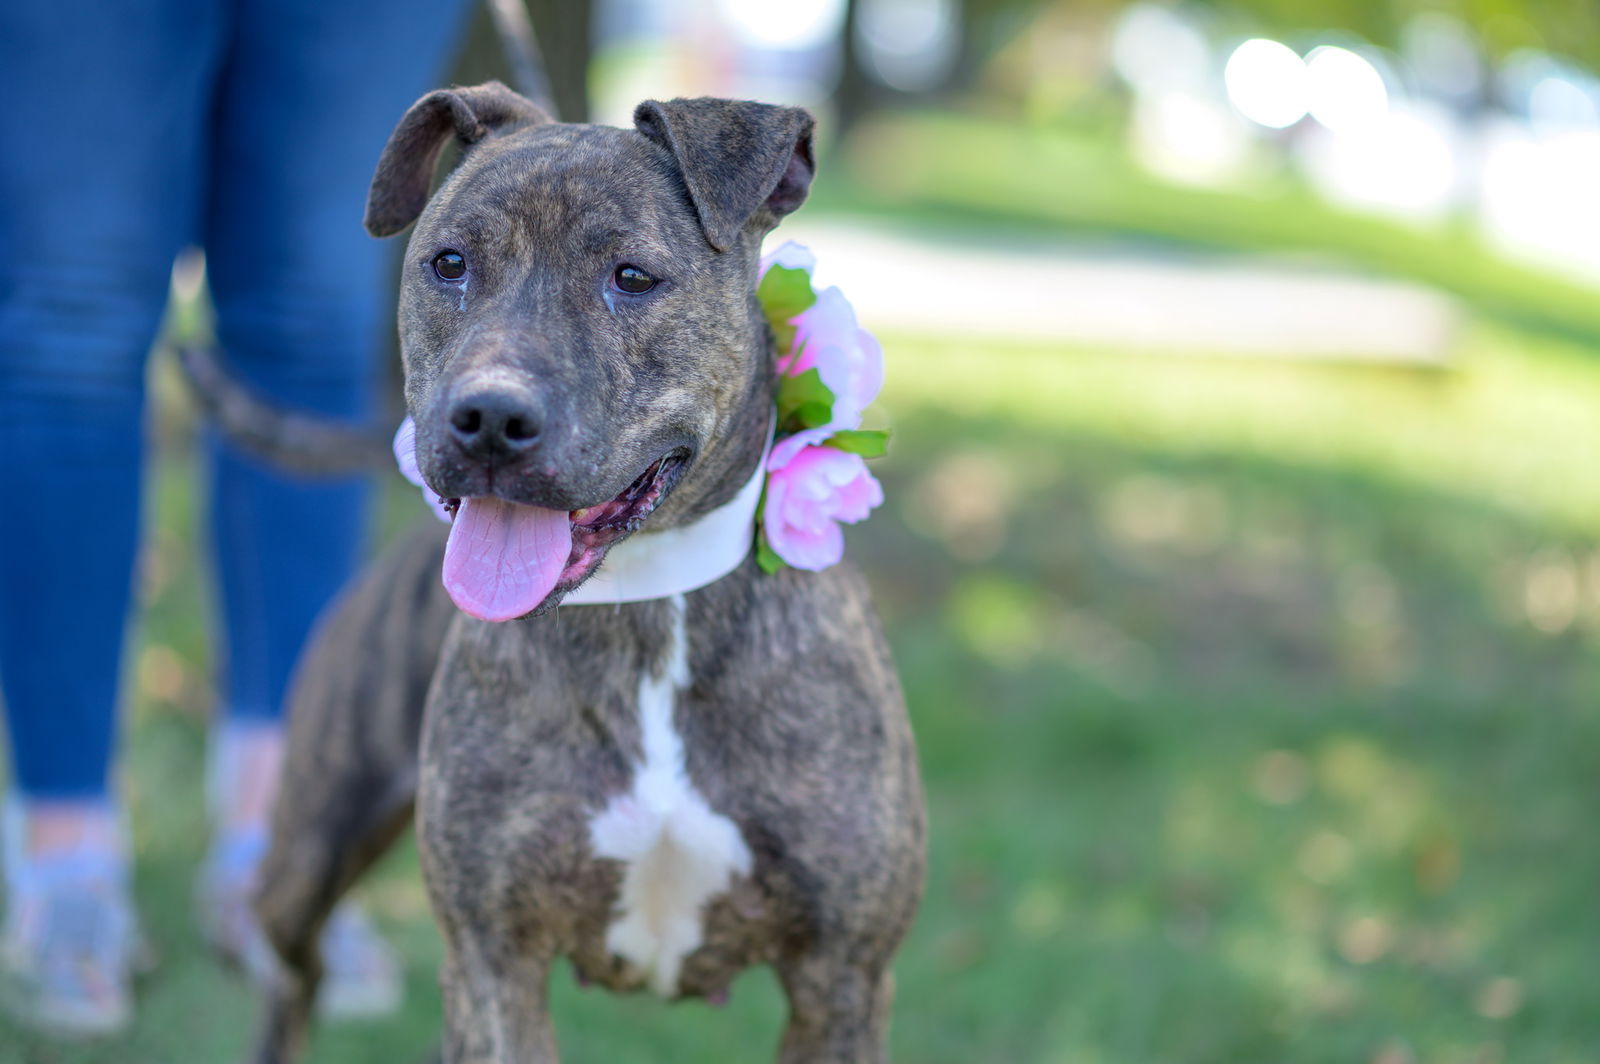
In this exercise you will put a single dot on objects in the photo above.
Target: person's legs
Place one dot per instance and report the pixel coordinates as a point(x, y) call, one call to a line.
point(101, 140)
point(312, 89)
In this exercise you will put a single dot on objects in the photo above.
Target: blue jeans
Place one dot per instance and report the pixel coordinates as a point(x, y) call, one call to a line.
point(129, 131)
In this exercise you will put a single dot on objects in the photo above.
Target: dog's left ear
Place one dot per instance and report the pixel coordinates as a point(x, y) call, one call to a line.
point(745, 164)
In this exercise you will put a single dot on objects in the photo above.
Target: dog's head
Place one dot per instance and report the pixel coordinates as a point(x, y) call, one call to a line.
point(584, 351)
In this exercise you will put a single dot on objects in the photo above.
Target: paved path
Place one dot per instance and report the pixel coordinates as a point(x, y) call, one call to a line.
point(1050, 291)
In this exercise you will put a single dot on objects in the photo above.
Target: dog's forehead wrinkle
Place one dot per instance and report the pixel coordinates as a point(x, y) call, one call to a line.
point(473, 182)
point(601, 240)
point(487, 230)
point(633, 240)
point(606, 220)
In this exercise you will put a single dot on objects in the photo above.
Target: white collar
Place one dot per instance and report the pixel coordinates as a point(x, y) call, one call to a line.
point(675, 561)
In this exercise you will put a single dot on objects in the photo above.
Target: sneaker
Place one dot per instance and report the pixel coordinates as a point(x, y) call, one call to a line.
point(226, 899)
point(70, 946)
point(361, 977)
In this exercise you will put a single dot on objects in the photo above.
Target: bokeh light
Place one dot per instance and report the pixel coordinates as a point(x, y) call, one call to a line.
point(793, 24)
point(1344, 90)
point(910, 44)
point(1155, 48)
point(1267, 81)
point(1403, 163)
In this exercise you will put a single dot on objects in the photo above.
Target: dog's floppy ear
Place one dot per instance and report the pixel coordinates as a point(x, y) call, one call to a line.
point(744, 163)
point(405, 169)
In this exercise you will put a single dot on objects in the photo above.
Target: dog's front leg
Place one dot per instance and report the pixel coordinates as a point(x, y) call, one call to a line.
point(496, 1008)
point(838, 1011)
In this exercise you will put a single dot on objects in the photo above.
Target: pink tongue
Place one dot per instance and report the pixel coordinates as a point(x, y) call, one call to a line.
point(502, 559)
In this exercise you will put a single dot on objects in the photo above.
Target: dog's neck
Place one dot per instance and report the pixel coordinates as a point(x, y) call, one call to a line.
point(675, 561)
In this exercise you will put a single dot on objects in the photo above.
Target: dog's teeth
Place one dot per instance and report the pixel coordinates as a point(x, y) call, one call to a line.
point(579, 515)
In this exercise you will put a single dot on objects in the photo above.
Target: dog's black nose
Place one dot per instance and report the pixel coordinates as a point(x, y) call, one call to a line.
point(495, 423)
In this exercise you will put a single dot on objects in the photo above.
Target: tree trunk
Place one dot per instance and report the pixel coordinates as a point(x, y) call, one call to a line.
point(853, 97)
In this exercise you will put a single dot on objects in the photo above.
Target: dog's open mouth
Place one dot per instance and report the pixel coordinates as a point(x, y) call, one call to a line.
point(505, 559)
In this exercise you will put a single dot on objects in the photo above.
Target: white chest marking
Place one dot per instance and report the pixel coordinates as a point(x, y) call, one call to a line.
point(676, 850)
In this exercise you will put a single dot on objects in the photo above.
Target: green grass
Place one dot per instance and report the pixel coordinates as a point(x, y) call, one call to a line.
point(1256, 703)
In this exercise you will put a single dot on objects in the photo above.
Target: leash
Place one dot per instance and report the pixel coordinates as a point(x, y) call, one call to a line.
point(317, 446)
point(515, 29)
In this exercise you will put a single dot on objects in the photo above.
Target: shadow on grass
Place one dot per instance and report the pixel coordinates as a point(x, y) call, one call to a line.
point(1232, 761)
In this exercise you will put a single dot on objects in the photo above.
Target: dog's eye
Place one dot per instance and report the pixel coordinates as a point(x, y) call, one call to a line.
point(632, 280)
point(450, 265)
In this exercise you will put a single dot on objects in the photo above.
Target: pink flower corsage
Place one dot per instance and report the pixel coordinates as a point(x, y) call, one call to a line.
point(831, 370)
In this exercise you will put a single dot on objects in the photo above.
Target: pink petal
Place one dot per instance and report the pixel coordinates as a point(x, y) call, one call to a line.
point(405, 456)
point(831, 317)
point(784, 450)
point(870, 380)
point(810, 551)
point(846, 357)
point(405, 451)
point(790, 256)
point(859, 498)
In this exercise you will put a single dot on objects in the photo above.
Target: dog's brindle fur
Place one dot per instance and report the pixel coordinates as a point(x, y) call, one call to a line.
point(351, 766)
point(792, 722)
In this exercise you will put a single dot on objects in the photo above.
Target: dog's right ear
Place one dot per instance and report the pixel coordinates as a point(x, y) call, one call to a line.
point(405, 169)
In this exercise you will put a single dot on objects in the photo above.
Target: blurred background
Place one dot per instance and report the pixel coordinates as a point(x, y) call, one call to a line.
point(1240, 547)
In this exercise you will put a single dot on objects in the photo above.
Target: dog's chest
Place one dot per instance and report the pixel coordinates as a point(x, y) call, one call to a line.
point(677, 853)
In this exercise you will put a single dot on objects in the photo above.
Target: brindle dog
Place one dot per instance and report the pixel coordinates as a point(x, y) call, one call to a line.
point(664, 792)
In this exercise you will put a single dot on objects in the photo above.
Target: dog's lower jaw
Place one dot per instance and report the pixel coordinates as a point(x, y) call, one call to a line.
point(596, 529)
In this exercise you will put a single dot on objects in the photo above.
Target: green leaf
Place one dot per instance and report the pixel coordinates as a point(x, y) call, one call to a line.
point(766, 557)
point(804, 402)
point(784, 294)
point(868, 443)
point(813, 415)
point(783, 337)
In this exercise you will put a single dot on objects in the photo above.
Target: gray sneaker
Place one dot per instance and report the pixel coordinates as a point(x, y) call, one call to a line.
point(361, 977)
point(70, 946)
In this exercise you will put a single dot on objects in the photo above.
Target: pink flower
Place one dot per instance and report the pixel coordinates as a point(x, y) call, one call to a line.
point(791, 256)
point(814, 490)
point(846, 357)
point(405, 456)
point(829, 340)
